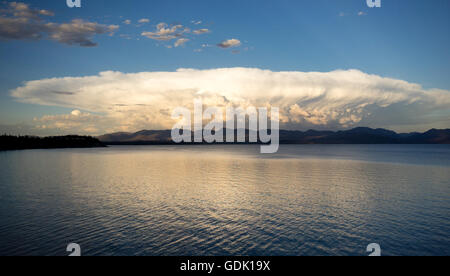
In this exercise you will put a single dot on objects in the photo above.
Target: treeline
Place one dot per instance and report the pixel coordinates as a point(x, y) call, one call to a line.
point(8, 142)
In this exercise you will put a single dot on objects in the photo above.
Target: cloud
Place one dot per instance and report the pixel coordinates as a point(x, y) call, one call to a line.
point(230, 43)
point(165, 33)
point(331, 100)
point(360, 13)
point(78, 32)
point(20, 29)
point(76, 122)
point(22, 10)
point(181, 42)
point(144, 20)
point(20, 22)
point(125, 36)
point(127, 22)
point(201, 31)
point(76, 113)
point(180, 33)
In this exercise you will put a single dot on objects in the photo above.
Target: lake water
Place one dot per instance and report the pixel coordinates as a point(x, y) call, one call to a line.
point(226, 200)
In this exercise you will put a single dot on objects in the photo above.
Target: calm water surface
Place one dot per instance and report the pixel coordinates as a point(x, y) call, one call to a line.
point(226, 200)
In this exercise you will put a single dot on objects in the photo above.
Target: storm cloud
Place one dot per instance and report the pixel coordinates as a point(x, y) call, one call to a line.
point(329, 100)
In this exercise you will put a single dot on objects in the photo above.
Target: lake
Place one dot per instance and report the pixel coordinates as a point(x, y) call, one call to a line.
point(226, 200)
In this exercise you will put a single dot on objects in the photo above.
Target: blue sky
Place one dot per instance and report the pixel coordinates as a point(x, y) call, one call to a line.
point(404, 40)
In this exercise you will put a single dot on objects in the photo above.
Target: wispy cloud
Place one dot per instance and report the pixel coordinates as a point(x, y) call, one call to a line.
point(181, 42)
point(360, 13)
point(201, 31)
point(22, 10)
point(230, 43)
point(75, 122)
point(78, 32)
point(165, 33)
point(144, 20)
point(20, 22)
point(179, 33)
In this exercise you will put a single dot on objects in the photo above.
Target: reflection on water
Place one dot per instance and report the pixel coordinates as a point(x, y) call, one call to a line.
point(226, 200)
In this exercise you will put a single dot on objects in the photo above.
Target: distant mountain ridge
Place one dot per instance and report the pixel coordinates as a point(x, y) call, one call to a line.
point(360, 135)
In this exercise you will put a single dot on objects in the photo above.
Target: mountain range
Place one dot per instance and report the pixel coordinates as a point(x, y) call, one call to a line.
point(361, 135)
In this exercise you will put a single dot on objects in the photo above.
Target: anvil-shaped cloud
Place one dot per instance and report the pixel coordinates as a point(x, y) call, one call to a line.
point(331, 100)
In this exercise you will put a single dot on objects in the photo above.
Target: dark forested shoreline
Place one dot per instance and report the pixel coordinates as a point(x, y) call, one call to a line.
point(8, 142)
point(163, 137)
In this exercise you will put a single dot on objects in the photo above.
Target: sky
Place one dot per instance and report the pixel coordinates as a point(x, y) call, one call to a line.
point(114, 66)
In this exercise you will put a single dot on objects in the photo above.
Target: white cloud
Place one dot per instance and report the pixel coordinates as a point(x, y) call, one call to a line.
point(22, 10)
point(361, 13)
point(180, 33)
point(125, 36)
point(76, 122)
point(127, 22)
point(165, 33)
point(20, 22)
point(230, 43)
point(201, 31)
point(332, 100)
point(76, 113)
point(181, 42)
point(78, 32)
point(144, 20)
